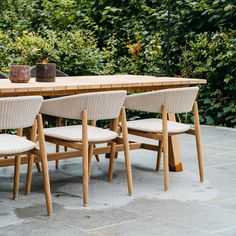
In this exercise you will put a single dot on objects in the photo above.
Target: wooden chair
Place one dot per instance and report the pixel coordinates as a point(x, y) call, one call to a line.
point(166, 101)
point(19, 113)
point(88, 107)
point(59, 120)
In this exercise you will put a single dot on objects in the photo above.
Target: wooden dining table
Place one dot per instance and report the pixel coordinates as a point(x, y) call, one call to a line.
point(82, 84)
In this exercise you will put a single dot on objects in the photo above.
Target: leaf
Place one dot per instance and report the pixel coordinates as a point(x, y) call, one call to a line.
point(209, 120)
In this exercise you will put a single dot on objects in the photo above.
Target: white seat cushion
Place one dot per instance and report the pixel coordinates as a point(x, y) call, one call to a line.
point(74, 133)
point(155, 126)
point(11, 144)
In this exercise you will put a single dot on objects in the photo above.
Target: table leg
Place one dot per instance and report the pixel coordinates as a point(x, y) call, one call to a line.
point(175, 163)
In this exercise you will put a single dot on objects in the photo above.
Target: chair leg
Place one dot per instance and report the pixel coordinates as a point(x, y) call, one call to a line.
point(58, 123)
point(97, 157)
point(38, 166)
point(17, 170)
point(43, 156)
point(57, 161)
point(165, 148)
point(65, 123)
point(57, 164)
point(114, 127)
point(111, 161)
point(85, 175)
point(93, 123)
point(126, 151)
point(90, 158)
point(33, 138)
point(158, 163)
point(16, 176)
point(198, 142)
point(166, 167)
point(85, 157)
point(29, 174)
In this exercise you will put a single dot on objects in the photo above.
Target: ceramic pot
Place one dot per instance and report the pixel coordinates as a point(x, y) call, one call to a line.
point(19, 73)
point(45, 72)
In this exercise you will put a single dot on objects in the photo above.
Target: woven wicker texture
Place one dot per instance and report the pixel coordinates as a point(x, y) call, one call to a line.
point(74, 133)
point(176, 100)
point(99, 106)
point(11, 144)
point(19, 112)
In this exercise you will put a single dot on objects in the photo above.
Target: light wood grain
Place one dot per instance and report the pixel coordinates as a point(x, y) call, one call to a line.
point(85, 156)
point(33, 138)
point(198, 142)
point(165, 147)
point(43, 157)
point(81, 84)
point(17, 170)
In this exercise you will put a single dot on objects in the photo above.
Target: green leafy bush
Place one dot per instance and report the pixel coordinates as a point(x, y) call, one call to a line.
point(74, 52)
point(130, 36)
point(213, 57)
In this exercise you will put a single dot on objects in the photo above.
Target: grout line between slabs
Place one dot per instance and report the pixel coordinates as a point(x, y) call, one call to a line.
point(115, 224)
point(224, 229)
point(220, 165)
point(185, 226)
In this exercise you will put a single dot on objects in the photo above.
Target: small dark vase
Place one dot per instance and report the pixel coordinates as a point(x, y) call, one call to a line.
point(45, 72)
point(19, 73)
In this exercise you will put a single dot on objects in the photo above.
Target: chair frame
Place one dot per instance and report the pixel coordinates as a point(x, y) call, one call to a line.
point(163, 139)
point(40, 155)
point(86, 150)
point(58, 119)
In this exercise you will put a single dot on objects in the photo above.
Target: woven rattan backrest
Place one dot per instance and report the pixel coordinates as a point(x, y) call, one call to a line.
point(177, 100)
point(99, 105)
point(19, 112)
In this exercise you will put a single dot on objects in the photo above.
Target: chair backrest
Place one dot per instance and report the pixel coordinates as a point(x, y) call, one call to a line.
point(99, 105)
point(177, 100)
point(3, 76)
point(58, 72)
point(19, 112)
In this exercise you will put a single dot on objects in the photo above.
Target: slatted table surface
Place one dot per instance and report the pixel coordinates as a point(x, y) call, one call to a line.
point(82, 84)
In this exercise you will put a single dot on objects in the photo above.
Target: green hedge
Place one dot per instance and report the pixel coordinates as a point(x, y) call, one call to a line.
point(75, 53)
point(130, 36)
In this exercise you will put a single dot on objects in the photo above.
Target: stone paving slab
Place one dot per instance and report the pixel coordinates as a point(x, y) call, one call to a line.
point(198, 216)
point(187, 208)
point(148, 226)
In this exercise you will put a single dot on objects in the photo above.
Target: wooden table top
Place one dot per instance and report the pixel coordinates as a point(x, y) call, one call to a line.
point(82, 84)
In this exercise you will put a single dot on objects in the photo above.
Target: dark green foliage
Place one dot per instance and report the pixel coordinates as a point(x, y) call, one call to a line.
point(130, 37)
point(213, 56)
point(75, 53)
